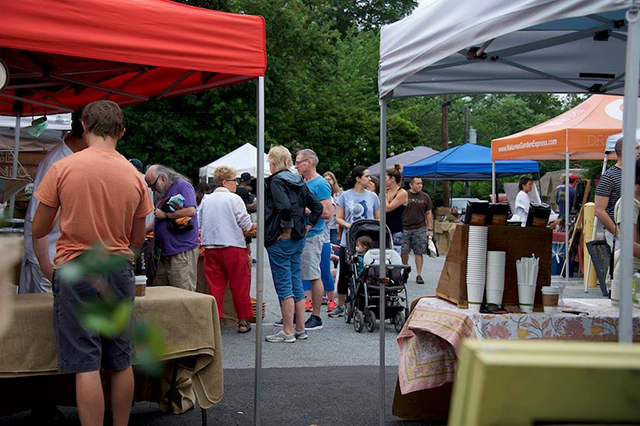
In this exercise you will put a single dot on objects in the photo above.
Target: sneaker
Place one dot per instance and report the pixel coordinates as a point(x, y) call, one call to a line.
point(308, 305)
point(280, 337)
point(300, 335)
point(331, 306)
point(338, 311)
point(419, 280)
point(325, 299)
point(278, 323)
point(313, 323)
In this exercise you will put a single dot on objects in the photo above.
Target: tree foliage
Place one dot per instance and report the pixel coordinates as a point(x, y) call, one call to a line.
point(320, 93)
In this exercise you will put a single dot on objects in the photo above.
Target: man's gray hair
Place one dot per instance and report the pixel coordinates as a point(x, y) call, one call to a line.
point(171, 175)
point(309, 154)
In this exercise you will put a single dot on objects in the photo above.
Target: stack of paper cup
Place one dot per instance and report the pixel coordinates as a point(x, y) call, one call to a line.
point(476, 265)
point(496, 261)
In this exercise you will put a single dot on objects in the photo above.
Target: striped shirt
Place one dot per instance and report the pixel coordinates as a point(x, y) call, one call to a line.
point(609, 186)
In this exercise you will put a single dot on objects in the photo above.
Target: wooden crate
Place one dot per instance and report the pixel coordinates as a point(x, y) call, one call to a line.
point(517, 242)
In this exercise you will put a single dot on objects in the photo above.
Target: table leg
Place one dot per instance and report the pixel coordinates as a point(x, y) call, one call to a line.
point(204, 416)
point(172, 385)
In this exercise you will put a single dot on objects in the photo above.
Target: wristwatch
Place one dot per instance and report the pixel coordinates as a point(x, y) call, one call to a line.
point(430, 229)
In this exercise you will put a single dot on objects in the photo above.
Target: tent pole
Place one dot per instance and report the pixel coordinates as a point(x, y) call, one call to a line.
point(629, 119)
point(493, 182)
point(383, 254)
point(566, 214)
point(14, 167)
point(595, 227)
point(259, 248)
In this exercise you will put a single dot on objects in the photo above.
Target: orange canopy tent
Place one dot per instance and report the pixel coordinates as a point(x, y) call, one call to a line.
point(580, 134)
point(581, 131)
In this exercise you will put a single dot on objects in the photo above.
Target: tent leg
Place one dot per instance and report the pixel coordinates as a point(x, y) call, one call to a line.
point(259, 248)
point(383, 255)
point(629, 119)
point(566, 216)
point(494, 184)
point(14, 167)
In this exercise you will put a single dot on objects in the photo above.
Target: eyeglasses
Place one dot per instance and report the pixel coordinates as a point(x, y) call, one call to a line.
point(301, 161)
point(231, 180)
point(153, 185)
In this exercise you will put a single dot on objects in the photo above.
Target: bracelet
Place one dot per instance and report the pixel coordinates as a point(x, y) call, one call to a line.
point(430, 229)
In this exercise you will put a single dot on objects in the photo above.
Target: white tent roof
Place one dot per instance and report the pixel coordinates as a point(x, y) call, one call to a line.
point(242, 159)
point(524, 51)
point(611, 140)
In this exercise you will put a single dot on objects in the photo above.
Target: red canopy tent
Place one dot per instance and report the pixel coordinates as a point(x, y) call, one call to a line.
point(64, 54)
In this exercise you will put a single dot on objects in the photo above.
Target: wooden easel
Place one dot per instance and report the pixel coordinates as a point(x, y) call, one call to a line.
point(579, 220)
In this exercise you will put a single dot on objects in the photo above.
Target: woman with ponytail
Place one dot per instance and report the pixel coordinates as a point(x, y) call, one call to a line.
point(355, 204)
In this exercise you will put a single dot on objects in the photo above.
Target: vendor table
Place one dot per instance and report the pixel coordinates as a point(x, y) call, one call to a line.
point(433, 335)
point(193, 345)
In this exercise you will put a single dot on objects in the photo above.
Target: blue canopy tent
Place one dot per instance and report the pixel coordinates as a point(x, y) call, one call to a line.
point(467, 162)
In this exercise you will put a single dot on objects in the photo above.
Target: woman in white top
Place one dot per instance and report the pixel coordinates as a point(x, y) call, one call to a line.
point(523, 202)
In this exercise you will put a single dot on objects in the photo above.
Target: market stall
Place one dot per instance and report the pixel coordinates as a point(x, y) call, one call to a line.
point(59, 59)
point(243, 159)
point(564, 46)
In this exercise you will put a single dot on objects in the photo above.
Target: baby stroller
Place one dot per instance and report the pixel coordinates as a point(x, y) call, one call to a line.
point(363, 306)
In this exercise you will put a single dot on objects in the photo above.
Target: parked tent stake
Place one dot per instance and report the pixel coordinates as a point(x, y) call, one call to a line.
point(14, 168)
point(383, 250)
point(260, 192)
point(628, 171)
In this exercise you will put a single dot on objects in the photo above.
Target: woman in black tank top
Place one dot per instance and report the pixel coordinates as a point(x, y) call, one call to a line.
point(396, 202)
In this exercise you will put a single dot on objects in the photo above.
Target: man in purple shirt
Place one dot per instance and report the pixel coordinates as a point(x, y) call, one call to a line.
point(179, 244)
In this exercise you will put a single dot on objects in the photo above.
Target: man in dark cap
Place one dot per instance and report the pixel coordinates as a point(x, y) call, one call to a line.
point(137, 164)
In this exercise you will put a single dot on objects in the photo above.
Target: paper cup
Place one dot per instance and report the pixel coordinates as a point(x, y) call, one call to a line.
point(526, 295)
point(550, 297)
point(141, 286)
point(615, 293)
point(474, 296)
point(494, 296)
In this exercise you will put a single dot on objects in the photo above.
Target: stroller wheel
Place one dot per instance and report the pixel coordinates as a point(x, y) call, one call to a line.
point(358, 321)
point(398, 321)
point(370, 320)
point(348, 312)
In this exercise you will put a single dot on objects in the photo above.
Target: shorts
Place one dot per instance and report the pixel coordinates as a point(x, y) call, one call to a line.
point(81, 350)
point(416, 240)
point(311, 256)
point(284, 259)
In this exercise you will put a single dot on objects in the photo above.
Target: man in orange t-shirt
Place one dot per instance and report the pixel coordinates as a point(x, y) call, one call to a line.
point(102, 200)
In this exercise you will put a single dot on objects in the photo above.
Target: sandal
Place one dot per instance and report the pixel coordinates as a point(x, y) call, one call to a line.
point(244, 327)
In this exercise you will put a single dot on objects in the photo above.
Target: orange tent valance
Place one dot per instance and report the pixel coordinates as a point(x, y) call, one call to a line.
point(583, 131)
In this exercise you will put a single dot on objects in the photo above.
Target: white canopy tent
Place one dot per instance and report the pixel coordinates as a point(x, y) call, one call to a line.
point(520, 46)
point(243, 159)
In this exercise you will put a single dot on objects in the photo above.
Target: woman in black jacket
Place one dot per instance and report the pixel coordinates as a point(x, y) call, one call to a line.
point(286, 224)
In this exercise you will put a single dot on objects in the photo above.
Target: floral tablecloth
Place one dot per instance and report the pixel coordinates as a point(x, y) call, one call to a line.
point(432, 337)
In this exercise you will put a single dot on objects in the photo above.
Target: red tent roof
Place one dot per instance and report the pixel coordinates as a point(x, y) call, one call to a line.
point(62, 55)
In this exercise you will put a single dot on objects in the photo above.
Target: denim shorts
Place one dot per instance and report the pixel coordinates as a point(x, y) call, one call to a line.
point(81, 350)
point(284, 259)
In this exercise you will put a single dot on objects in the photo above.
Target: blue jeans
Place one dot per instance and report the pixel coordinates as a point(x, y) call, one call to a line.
point(284, 259)
point(325, 270)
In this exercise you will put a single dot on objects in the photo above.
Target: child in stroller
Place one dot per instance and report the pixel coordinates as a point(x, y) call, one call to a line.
point(363, 256)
